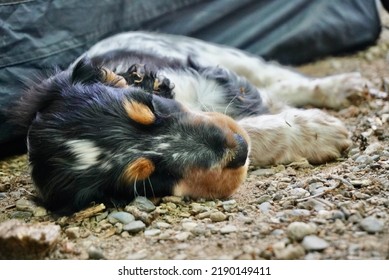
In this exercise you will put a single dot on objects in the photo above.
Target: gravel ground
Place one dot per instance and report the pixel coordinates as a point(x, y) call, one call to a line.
point(338, 210)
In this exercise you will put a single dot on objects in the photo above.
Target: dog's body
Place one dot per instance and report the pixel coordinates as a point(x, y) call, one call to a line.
point(152, 114)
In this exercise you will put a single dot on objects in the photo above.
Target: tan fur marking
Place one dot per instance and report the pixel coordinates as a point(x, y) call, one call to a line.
point(211, 183)
point(109, 77)
point(139, 112)
point(138, 170)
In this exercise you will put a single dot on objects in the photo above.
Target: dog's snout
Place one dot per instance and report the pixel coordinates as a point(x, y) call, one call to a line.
point(240, 152)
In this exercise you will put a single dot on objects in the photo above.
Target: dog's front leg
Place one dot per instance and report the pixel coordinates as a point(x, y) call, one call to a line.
point(294, 135)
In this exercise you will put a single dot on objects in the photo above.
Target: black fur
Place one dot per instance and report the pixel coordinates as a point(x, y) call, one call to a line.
point(74, 105)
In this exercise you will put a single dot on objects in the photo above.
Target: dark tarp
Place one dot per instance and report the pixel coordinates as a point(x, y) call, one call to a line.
point(41, 34)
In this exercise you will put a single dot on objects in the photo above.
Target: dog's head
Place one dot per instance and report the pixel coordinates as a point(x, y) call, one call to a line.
point(91, 137)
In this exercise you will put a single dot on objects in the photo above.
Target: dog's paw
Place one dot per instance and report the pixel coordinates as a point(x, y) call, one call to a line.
point(295, 135)
point(340, 91)
point(322, 137)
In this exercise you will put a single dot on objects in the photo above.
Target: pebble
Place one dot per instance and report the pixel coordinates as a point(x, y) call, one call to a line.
point(371, 225)
point(182, 236)
point(20, 215)
point(265, 207)
point(95, 253)
point(314, 186)
point(217, 217)
point(163, 225)
point(298, 230)
point(298, 193)
point(373, 148)
point(188, 226)
point(197, 208)
point(228, 205)
point(3, 195)
point(228, 229)
point(72, 232)
point(314, 243)
point(19, 240)
point(101, 216)
point(364, 159)
point(263, 198)
point(143, 204)
point(277, 232)
point(360, 183)
point(39, 212)
point(122, 217)
point(263, 172)
point(152, 232)
point(173, 199)
point(291, 252)
point(134, 226)
point(294, 213)
point(25, 205)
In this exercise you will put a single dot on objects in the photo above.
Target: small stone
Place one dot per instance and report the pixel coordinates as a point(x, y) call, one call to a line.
point(188, 226)
point(277, 232)
point(263, 172)
point(95, 253)
point(152, 232)
point(122, 217)
point(228, 229)
point(217, 217)
point(204, 215)
point(314, 243)
point(182, 236)
point(143, 204)
point(20, 215)
point(228, 205)
point(371, 225)
point(291, 252)
point(197, 208)
point(364, 159)
point(101, 216)
point(265, 207)
point(314, 186)
point(72, 232)
point(39, 212)
point(298, 193)
point(173, 199)
point(25, 205)
point(298, 230)
point(2, 195)
point(373, 148)
point(163, 225)
point(118, 228)
point(263, 199)
point(19, 240)
point(171, 205)
point(134, 226)
point(360, 183)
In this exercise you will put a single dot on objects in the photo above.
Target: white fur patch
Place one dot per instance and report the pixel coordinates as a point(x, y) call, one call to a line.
point(196, 92)
point(86, 153)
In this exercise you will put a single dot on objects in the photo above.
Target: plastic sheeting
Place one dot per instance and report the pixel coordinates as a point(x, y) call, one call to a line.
point(39, 35)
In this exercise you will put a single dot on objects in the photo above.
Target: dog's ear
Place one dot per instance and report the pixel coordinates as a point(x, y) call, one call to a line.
point(86, 72)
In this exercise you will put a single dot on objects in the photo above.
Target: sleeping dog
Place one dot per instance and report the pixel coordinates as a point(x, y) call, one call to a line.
point(144, 114)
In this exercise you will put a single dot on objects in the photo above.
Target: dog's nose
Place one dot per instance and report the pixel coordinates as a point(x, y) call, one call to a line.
point(240, 152)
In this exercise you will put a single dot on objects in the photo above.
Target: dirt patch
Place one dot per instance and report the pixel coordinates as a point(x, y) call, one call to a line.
point(333, 211)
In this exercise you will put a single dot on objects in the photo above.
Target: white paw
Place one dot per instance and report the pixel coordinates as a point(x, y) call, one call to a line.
point(323, 137)
point(294, 135)
point(339, 91)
